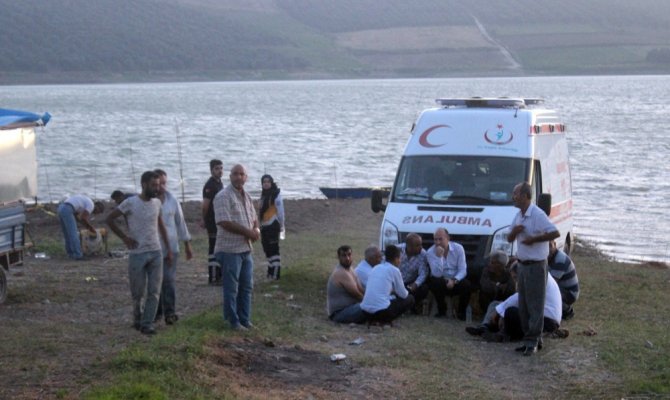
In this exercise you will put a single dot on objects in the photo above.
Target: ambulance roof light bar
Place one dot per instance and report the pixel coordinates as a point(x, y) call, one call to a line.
point(487, 102)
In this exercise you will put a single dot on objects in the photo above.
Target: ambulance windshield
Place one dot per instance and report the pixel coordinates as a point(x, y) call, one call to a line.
point(459, 179)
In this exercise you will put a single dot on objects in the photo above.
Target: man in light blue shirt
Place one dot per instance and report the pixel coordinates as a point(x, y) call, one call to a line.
point(386, 297)
point(448, 270)
point(175, 225)
point(532, 230)
point(373, 256)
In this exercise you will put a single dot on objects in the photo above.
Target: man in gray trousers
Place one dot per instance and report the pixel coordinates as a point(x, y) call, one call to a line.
point(532, 230)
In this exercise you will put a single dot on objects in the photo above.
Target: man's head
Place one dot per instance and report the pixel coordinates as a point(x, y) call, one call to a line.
point(373, 255)
point(498, 260)
point(441, 237)
point(344, 254)
point(150, 184)
point(98, 207)
point(521, 195)
point(216, 168)
point(238, 176)
point(392, 254)
point(118, 196)
point(413, 245)
point(162, 180)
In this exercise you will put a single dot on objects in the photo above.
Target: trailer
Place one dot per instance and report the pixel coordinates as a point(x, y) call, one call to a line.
point(18, 182)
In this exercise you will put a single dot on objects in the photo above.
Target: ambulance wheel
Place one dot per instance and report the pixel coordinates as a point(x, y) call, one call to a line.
point(3, 285)
point(567, 246)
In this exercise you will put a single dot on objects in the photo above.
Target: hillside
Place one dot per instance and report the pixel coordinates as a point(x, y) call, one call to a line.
point(123, 40)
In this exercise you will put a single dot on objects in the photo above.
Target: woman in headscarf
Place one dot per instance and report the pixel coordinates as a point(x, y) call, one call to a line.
point(272, 224)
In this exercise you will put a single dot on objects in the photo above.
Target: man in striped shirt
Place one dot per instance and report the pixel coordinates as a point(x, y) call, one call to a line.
point(563, 270)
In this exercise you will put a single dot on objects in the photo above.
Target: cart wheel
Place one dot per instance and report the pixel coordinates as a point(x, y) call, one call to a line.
point(3, 285)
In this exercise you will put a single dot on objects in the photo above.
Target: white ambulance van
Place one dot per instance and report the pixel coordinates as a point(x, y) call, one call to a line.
point(460, 166)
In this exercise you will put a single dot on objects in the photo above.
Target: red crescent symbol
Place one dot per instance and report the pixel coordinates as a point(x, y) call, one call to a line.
point(423, 140)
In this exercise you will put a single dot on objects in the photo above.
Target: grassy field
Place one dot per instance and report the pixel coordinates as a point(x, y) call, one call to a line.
point(618, 346)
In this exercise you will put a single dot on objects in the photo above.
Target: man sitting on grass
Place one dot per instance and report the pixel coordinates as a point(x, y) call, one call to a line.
point(344, 292)
point(502, 321)
point(373, 256)
point(563, 270)
point(386, 297)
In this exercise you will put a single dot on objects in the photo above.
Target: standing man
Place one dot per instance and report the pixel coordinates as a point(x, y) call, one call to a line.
point(145, 262)
point(344, 291)
point(77, 207)
point(447, 273)
point(373, 256)
point(414, 270)
point(175, 225)
point(212, 187)
point(237, 229)
point(532, 230)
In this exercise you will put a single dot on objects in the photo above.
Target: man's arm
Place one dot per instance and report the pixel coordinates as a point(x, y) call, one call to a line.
point(84, 219)
point(110, 220)
point(163, 232)
point(462, 270)
point(544, 237)
point(250, 233)
point(350, 284)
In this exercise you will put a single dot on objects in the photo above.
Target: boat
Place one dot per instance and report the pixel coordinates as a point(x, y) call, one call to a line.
point(351, 192)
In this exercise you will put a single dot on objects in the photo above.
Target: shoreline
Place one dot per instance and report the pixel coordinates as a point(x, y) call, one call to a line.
point(582, 247)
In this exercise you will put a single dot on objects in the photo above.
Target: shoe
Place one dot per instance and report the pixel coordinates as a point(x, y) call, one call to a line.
point(561, 333)
point(158, 318)
point(249, 326)
point(530, 350)
point(569, 315)
point(440, 315)
point(171, 319)
point(493, 337)
point(148, 330)
point(475, 330)
point(239, 328)
point(521, 348)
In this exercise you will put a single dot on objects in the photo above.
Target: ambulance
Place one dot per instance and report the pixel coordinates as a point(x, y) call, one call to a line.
point(460, 165)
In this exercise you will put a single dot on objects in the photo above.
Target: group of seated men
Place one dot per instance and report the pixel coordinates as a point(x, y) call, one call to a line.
point(384, 286)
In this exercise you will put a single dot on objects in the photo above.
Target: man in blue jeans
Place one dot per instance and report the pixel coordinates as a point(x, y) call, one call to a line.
point(237, 228)
point(145, 262)
point(77, 207)
point(175, 225)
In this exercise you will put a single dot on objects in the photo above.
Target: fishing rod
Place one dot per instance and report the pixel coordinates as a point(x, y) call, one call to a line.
point(181, 167)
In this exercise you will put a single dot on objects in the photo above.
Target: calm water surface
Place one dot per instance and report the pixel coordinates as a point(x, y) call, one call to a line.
point(351, 133)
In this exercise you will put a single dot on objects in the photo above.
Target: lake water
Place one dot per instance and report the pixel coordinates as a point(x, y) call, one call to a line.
point(351, 133)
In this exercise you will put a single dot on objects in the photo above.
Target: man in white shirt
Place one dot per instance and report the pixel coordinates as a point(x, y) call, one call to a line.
point(386, 297)
point(532, 230)
point(448, 270)
point(373, 256)
point(77, 207)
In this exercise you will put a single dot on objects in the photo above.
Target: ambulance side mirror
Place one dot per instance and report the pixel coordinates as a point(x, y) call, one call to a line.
point(544, 202)
point(377, 200)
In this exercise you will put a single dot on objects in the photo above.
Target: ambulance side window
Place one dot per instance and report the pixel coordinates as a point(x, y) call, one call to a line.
point(537, 180)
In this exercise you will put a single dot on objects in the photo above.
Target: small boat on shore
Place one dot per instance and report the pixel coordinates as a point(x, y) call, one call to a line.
point(350, 192)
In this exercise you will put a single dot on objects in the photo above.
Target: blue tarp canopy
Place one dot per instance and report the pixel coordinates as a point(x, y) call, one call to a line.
point(10, 119)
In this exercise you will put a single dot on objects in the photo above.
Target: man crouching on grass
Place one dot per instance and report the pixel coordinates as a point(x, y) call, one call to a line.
point(145, 262)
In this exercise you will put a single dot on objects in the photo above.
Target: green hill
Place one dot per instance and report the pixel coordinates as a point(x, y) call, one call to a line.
point(122, 40)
